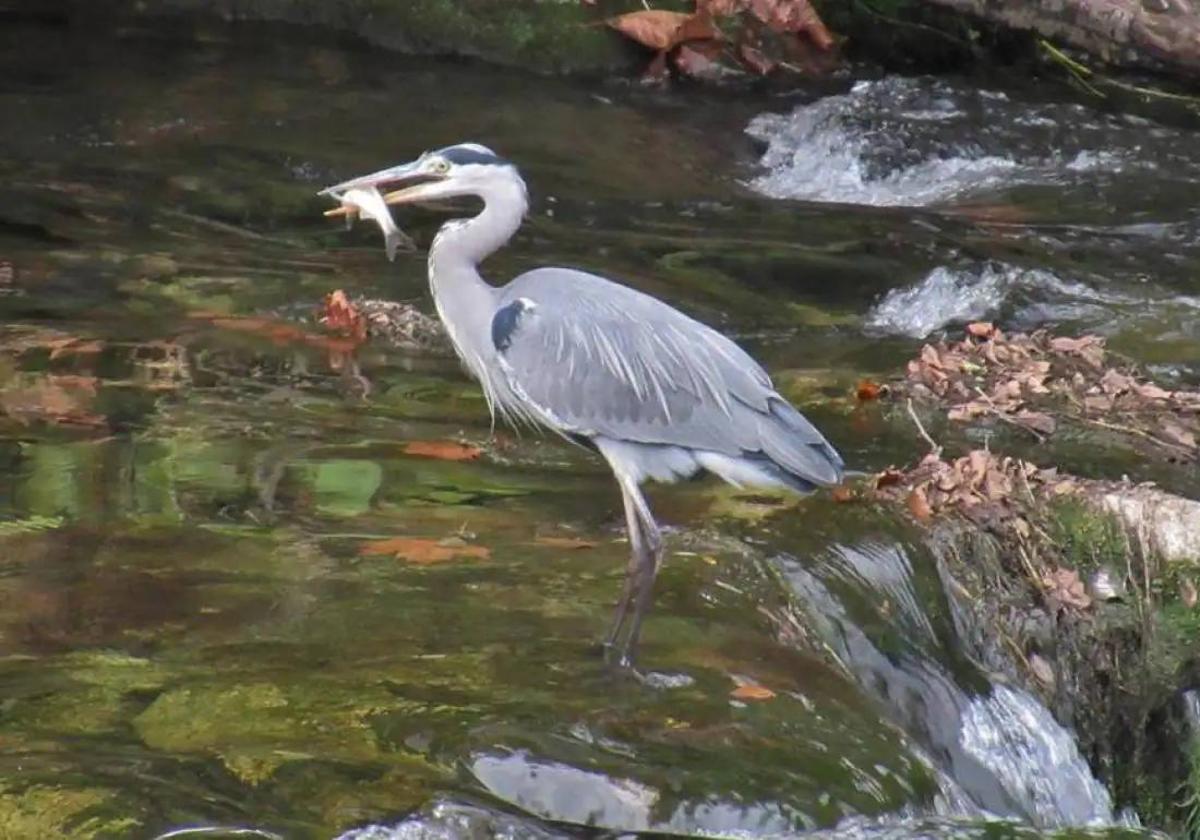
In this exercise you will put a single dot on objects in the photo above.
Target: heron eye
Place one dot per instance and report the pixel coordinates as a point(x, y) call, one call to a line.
point(440, 167)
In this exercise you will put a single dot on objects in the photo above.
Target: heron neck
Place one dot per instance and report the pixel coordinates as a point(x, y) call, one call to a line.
point(465, 243)
point(464, 301)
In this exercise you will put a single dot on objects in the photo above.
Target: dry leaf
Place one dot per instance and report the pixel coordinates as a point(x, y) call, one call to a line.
point(1036, 421)
point(698, 60)
point(981, 329)
point(755, 60)
point(1150, 391)
point(1042, 670)
point(423, 551)
point(445, 450)
point(793, 16)
point(340, 315)
point(651, 28)
point(868, 390)
point(1187, 593)
point(1114, 382)
point(568, 543)
point(1173, 431)
point(888, 477)
point(720, 8)
point(64, 400)
point(1065, 586)
point(74, 347)
point(918, 504)
point(752, 691)
point(656, 71)
point(842, 494)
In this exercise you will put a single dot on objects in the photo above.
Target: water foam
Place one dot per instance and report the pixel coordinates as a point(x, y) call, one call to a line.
point(948, 296)
point(921, 141)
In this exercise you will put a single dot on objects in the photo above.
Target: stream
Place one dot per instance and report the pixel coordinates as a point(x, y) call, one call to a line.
point(198, 627)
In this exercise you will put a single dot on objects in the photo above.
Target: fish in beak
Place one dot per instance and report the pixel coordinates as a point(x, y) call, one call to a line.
point(366, 202)
point(361, 197)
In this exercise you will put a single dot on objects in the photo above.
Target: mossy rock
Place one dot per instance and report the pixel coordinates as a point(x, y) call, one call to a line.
point(545, 36)
point(66, 813)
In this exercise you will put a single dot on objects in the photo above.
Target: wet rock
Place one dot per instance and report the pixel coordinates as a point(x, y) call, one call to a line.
point(547, 36)
point(402, 325)
point(1164, 524)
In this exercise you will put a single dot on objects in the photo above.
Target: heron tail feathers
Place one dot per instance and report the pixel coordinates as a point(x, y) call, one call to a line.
point(797, 448)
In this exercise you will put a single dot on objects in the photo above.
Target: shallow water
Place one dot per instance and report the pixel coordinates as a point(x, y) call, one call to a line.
point(193, 627)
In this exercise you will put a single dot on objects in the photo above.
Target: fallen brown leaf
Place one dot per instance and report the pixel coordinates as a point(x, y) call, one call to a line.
point(341, 315)
point(423, 551)
point(842, 494)
point(1175, 432)
point(918, 504)
point(1150, 391)
point(445, 450)
point(981, 329)
point(1036, 421)
point(568, 543)
point(793, 16)
point(74, 347)
point(888, 477)
point(698, 59)
point(1065, 586)
point(1187, 593)
point(752, 691)
point(755, 60)
point(653, 28)
point(868, 390)
point(1042, 670)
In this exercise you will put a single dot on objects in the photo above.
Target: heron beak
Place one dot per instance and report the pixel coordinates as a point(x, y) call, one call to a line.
point(414, 193)
point(405, 172)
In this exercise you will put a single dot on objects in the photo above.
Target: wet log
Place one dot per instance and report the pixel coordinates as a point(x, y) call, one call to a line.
point(1156, 34)
point(1162, 525)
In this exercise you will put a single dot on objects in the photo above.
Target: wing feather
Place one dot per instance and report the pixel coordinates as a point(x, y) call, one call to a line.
point(590, 357)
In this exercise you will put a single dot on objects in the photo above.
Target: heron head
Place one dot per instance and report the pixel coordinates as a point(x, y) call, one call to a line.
point(461, 170)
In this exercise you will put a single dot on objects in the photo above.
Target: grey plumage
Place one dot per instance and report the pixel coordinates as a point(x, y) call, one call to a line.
point(660, 395)
point(598, 359)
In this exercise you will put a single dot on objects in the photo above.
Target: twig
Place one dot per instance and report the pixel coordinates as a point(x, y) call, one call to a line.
point(1081, 73)
point(1000, 415)
point(933, 446)
point(922, 27)
point(1129, 430)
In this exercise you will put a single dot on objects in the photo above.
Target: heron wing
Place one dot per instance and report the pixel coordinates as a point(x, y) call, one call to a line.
point(591, 357)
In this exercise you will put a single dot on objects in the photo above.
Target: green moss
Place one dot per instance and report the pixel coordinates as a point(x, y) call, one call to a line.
point(45, 811)
point(547, 36)
point(1085, 537)
point(1191, 797)
point(255, 728)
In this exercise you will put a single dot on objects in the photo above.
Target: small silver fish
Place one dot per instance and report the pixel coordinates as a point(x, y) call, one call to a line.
point(369, 204)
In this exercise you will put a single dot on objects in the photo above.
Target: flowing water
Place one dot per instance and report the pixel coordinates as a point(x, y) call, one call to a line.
point(201, 623)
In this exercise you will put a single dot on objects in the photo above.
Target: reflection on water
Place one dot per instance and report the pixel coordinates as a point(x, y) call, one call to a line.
point(197, 623)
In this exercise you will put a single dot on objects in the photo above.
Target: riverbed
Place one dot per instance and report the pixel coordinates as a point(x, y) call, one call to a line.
point(198, 626)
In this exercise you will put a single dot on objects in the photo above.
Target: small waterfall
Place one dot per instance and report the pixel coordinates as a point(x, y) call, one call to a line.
point(920, 141)
point(1027, 296)
point(999, 751)
point(1191, 704)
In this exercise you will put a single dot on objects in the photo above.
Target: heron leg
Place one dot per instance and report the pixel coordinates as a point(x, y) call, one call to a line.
point(637, 549)
point(648, 571)
point(645, 552)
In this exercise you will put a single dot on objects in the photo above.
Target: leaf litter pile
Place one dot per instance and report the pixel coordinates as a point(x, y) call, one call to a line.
point(400, 325)
point(724, 38)
point(1039, 383)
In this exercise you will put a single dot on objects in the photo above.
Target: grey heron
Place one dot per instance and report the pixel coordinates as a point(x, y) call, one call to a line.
point(659, 395)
